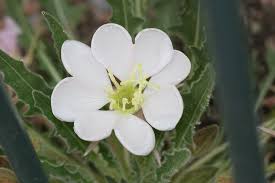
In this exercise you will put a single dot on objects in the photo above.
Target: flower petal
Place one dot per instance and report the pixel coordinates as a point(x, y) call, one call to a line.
point(163, 108)
point(112, 46)
point(135, 135)
point(78, 60)
point(175, 72)
point(71, 96)
point(153, 50)
point(96, 125)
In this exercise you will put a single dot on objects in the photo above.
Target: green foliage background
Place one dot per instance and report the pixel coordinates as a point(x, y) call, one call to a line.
point(180, 155)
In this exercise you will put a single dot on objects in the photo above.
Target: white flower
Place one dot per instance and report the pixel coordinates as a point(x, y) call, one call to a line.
point(78, 98)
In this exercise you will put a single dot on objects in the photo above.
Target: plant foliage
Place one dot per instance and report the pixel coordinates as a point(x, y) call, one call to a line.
point(109, 162)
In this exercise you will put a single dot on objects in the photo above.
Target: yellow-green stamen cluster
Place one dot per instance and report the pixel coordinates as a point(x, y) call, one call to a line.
point(127, 97)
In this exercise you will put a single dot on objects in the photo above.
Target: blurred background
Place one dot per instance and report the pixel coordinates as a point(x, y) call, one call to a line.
point(24, 35)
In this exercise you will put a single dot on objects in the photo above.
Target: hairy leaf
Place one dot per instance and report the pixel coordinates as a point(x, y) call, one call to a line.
point(10, 67)
point(110, 168)
point(22, 80)
point(68, 15)
point(196, 100)
point(197, 89)
point(144, 169)
point(34, 91)
point(172, 163)
point(57, 163)
point(43, 103)
point(58, 34)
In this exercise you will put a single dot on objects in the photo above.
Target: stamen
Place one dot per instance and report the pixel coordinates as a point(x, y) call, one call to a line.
point(137, 100)
point(112, 104)
point(128, 95)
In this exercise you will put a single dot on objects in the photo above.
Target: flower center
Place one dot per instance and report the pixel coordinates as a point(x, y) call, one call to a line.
point(127, 96)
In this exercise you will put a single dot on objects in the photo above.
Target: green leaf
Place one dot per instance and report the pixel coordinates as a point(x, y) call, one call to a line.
point(197, 89)
point(196, 99)
point(74, 142)
point(69, 14)
point(43, 103)
point(58, 34)
point(58, 163)
point(111, 166)
point(190, 29)
point(59, 174)
point(34, 91)
point(205, 139)
point(172, 163)
point(202, 174)
point(123, 15)
point(120, 154)
point(165, 14)
point(22, 80)
point(144, 169)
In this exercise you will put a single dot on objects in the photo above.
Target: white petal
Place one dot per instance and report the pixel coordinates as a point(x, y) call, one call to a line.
point(112, 46)
point(175, 72)
point(135, 135)
point(71, 96)
point(163, 108)
point(96, 125)
point(78, 60)
point(153, 50)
